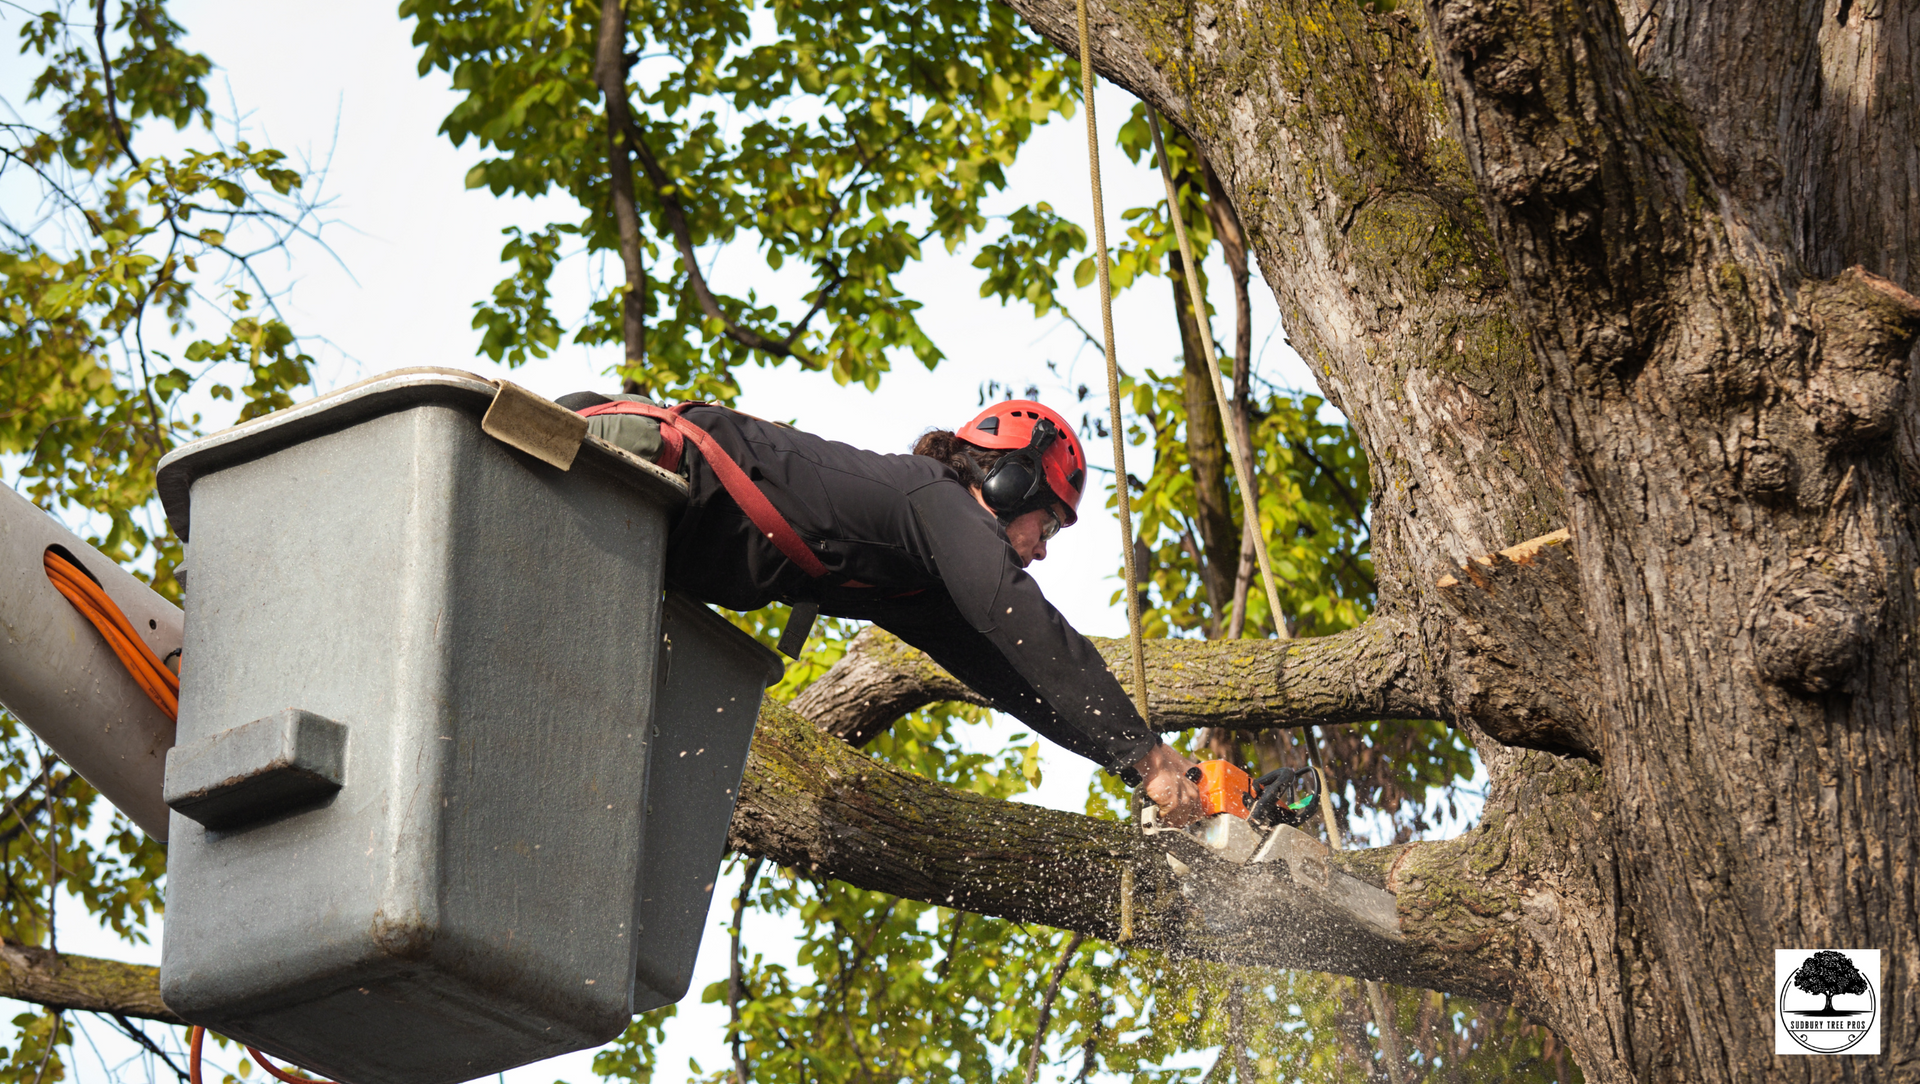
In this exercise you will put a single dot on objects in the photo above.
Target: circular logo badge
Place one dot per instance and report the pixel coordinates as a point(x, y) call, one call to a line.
point(1827, 1004)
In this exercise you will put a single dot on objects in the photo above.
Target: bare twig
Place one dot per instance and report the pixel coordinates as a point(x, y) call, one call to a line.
point(953, 945)
point(146, 294)
point(1046, 1006)
point(859, 1055)
point(1347, 496)
point(106, 71)
point(1084, 333)
point(860, 956)
point(53, 860)
point(1389, 1032)
point(53, 1038)
point(736, 984)
point(1087, 1052)
point(139, 1035)
point(1237, 1033)
point(30, 809)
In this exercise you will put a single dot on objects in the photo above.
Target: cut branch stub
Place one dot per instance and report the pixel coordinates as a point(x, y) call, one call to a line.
point(1520, 665)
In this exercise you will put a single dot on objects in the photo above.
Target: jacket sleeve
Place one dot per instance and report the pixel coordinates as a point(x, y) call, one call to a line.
point(997, 632)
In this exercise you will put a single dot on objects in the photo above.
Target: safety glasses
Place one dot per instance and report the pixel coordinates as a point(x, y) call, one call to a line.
point(1052, 527)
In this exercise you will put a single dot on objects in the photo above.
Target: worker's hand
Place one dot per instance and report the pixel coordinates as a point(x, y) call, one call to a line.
point(1163, 774)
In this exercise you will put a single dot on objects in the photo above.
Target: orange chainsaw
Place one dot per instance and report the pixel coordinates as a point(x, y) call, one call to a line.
point(1275, 798)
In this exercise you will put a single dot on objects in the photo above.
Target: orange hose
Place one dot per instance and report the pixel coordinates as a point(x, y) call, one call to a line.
point(152, 675)
point(198, 1037)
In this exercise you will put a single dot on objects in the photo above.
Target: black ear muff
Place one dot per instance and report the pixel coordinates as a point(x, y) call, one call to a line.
point(1018, 478)
point(1009, 485)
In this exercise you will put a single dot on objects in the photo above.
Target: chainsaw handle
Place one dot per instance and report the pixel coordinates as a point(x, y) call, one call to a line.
point(1267, 810)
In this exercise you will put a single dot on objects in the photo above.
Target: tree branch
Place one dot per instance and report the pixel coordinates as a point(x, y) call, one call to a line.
point(133, 1031)
point(1458, 920)
point(811, 802)
point(676, 220)
point(610, 71)
point(736, 982)
point(1354, 676)
point(106, 73)
point(64, 981)
point(1046, 1005)
point(876, 682)
point(1508, 650)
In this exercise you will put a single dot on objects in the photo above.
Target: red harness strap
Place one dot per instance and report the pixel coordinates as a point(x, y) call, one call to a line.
point(675, 431)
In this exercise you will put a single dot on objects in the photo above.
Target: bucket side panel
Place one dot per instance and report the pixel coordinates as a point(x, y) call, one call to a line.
point(556, 607)
point(318, 583)
point(703, 726)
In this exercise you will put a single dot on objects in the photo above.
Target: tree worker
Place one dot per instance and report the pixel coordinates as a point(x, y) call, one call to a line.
point(931, 546)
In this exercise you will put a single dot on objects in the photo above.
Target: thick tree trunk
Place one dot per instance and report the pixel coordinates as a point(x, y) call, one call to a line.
point(1641, 271)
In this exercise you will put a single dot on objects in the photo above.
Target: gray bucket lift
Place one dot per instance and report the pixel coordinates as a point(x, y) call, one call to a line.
point(453, 774)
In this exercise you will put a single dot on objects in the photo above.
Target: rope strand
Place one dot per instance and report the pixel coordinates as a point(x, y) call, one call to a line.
point(1113, 373)
point(1242, 465)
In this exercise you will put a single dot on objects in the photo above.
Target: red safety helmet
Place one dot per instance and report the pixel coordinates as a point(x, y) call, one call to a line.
point(1013, 487)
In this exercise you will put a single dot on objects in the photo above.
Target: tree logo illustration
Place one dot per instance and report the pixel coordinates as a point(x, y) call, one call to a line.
point(1807, 1009)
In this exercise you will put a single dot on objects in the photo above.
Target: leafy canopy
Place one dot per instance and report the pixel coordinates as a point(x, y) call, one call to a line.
point(836, 138)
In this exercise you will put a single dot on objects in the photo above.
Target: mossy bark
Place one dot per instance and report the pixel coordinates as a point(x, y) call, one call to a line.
point(1364, 673)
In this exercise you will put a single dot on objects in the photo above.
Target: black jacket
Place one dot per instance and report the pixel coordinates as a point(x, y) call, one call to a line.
point(944, 578)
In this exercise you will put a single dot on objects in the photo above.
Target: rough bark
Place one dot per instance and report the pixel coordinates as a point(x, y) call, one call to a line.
point(1641, 270)
point(1361, 674)
point(812, 802)
point(877, 681)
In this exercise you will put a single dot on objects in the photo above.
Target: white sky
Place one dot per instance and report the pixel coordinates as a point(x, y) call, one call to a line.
point(336, 82)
